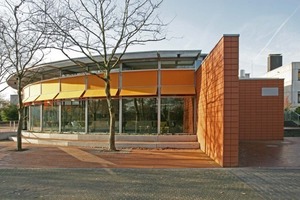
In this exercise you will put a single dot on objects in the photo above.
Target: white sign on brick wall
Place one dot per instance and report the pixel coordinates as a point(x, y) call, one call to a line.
point(269, 91)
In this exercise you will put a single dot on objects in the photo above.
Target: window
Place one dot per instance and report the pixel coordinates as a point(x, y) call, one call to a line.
point(177, 115)
point(298, 74)
point(50, 116)
point(35, 111)
point(298, 96)
point(139, 116)
point(98, 118)
point(73, 116)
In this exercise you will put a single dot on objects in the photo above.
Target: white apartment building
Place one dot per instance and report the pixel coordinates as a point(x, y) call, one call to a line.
point(291, 75)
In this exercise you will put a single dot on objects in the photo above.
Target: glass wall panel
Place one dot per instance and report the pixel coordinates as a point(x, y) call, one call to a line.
point(177, 64)
point(50, 116)
point(139, 65)
point(35, 111)
point(73, 116)
point(99, 115)
point(177, 115)
point(139, 116)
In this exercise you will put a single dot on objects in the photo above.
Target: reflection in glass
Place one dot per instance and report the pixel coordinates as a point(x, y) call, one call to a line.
point(99, 116)
point(50, 116)
point(139, 65)
point(176, 115)
point(139, 115)
point(73, 116)
point(177, 64)
point(35, 111)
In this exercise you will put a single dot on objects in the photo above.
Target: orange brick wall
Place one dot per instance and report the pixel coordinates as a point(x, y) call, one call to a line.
point(188, 120)
point(217, 88)
point(261, 117)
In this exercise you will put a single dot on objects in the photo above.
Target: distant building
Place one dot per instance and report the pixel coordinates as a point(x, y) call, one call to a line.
point(291, 75)
point(274, 61)
point(13, 99)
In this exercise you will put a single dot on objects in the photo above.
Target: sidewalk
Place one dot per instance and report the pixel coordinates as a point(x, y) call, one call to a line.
point(269, 170)
point(284, 153)
point(40, 156)
point(183, 184)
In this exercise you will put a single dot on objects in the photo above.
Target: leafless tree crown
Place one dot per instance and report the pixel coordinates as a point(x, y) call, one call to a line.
point(104, 27)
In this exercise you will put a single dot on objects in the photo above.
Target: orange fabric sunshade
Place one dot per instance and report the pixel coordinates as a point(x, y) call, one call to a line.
point(99, 93)
point(69, 95)
point(95, 83)
point(178, 90)
point(138, 91)
point(177, 77)
point(137, 79)
point(31, 99)
point(45, 97)
point(72, 84)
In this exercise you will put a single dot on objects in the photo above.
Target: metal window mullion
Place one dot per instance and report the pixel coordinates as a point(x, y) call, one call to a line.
point(120, 100)
point(41, 117)
point(86, 113)
point(59, 117)
point(158, 97)
point(86, 116)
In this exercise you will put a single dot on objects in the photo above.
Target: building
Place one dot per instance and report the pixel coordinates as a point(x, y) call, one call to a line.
point(13, 99)
point(291, 75)
point(169, 93)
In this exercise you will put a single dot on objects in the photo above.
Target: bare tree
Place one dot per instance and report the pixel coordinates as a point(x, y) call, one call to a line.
point(103, 30)
point(23, 41)
point(3, 71)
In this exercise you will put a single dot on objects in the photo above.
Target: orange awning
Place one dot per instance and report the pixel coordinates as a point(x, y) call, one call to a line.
point(45, 97)
point(31, 99)
point(99, 93)
point(70, 95)
point(138, 91)
point(178, 90)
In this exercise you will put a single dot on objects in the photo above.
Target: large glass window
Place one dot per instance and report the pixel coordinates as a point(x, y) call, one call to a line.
point(73, 116)
point(139, 65)
point(50, 116)
point(139, 116)
point(99, 115)
point(35, 111)
point(177, 115)
point(177, 64)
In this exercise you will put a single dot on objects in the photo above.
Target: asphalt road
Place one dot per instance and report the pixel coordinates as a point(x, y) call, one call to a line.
point(108, 183)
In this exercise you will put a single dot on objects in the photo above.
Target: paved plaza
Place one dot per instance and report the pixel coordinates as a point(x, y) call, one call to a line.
point(112, 183)
point(269, 170)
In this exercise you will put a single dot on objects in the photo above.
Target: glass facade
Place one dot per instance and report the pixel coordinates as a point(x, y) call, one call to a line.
point(98, 116)
point(34, 114)
point(176, 115)
point(73, 116)
point(51, 116)
point(151, 93)
point(139, 115)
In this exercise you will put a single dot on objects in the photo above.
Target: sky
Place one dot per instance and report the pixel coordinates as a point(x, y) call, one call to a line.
point(265, 27)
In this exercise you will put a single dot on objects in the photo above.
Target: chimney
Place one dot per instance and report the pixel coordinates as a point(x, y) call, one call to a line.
point(274, 61)
point(242, 73)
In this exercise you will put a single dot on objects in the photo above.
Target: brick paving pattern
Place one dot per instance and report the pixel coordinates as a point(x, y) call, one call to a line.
point(270, 171)
point(149, 184)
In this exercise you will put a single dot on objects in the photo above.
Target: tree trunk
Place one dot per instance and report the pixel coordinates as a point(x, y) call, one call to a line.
point(20, 120)
point(112, 117)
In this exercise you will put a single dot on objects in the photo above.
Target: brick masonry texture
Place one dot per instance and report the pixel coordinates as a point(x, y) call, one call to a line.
point(217, 87)
point(261, 117)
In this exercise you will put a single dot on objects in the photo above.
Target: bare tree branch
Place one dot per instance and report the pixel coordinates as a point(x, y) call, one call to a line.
point(103, 30)
point(23, 42)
